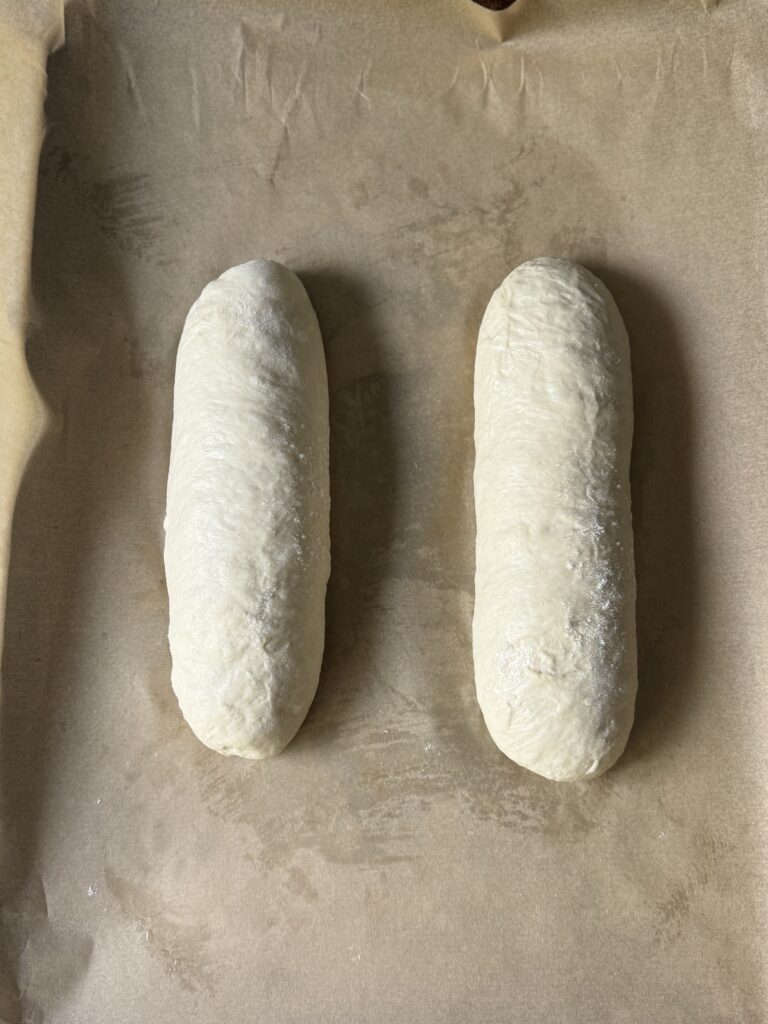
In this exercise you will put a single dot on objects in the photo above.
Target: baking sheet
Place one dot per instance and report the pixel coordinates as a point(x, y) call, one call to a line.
point(391, 865)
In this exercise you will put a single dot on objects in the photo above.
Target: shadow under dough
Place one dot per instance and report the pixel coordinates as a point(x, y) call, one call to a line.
point(364, 478)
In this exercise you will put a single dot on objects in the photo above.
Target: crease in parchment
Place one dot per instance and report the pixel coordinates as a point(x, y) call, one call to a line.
point(131, 80)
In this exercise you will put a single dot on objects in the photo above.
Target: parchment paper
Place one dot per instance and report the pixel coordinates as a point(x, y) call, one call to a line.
point(402, 157)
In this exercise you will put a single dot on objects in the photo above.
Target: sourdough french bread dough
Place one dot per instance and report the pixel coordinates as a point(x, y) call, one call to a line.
point(247, 539)
point(554, 622)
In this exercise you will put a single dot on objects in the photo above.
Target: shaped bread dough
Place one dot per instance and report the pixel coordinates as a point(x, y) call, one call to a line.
point(247, 540)
point(554, 630)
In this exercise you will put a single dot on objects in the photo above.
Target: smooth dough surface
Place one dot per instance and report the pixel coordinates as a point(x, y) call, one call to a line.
point(247, 536)
point(554, 623)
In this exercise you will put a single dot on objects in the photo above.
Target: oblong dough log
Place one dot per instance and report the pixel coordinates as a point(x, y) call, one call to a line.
point(247, 537)
point(554, 622)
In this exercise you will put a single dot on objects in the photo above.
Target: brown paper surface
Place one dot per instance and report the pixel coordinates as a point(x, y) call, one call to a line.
point(391, 865)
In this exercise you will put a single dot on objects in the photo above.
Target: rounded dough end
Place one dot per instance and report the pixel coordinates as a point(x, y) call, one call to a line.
point(577, 766)
point(233, 737)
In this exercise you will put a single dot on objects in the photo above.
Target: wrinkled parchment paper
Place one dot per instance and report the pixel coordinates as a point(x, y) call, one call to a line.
point(402, 157)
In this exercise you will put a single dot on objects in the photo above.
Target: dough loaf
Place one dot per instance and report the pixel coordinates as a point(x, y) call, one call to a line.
point(554, 630)
point(247, 539)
